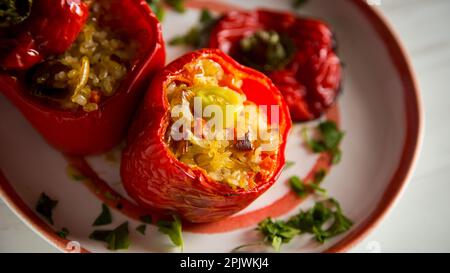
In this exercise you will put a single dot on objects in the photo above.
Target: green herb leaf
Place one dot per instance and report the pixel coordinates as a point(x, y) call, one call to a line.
point(319, 176)
point(198, 35)
point(63, 233)
point(337, 156)
point(277, 232)
point(330, 138)
point(104, 218)
point(312, 221)
point(330, 134)
point(172, 229)
point(45, 206)
point(288, 164)
point(302, 189)
point(157, 8)
point(146, 219)
point(177, 5)
point(298, 186)
point(116, 239)
point(141, 229)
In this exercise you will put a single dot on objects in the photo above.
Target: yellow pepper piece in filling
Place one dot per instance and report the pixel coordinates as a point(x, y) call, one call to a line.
point(223, 97)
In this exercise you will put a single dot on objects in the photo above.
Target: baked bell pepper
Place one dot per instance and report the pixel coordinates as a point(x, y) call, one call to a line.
point(199, 178)
point(51, 28)
point(298, 54)
point(79, 132)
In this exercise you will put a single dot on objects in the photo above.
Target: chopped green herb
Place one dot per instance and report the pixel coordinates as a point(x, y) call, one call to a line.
point(45, 206)
point(298, 186)
point(319, 176)
point(116, 239)
point(302, 189)
point(197, 36)
point(330, 138)
point(141, 229)
point(298, 3)
point(74, 174)
point(277, 232)
point(288, 164)
point(267, 50)
point(177, 5)
point(146, 219)
point(172, 229)
point(63, 233)
point(12, 12)
point(317, 189)
point(312, 221)
point(158, 8)
point(337, 156)
point(104, 218)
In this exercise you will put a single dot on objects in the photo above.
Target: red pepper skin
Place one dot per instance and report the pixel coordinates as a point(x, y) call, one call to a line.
point(83, 133)
point(311, 82)
point(51, 29)
point(156, 180)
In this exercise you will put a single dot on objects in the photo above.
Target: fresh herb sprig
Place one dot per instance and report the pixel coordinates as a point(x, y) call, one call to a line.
point(312, 221)
point(158, 7)
point(277, 232)
point(104, 218)
point(173, 230)
point(45, 206)
point(328, 141)
point(116, 239)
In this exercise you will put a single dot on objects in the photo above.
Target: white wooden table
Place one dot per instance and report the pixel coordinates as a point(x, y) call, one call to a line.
point(421, 219)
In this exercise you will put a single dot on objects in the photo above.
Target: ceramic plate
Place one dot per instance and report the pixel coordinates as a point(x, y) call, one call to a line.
point(379, 110)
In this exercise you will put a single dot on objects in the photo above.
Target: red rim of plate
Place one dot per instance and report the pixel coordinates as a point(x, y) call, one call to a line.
point(414, 127)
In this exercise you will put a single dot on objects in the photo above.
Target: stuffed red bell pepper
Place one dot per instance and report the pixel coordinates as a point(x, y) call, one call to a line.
point(298, 54)
point(209, 139)
point(84, 87)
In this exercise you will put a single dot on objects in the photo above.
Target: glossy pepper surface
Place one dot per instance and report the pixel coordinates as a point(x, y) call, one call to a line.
point(310, 80)
point(51, 28)
point(157, 180)
point(78, 132)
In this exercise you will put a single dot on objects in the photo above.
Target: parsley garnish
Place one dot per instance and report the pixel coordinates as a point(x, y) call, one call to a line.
point(288, 164)
point(311, 221)
point(172, 229)
point(158, 8)
point(63, 233)
point(277, 232)
point(329, 140)
point(197, 36)
point(301, 188)
point(104, 218)
point(177, 5)
point(298, 186)
point(141, 229)
point(116, 239)
point(45, 206)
